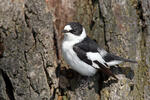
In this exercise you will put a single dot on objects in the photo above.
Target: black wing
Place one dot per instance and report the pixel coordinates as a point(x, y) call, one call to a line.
point(82, 54)
point(85, 46)
point(88, 45)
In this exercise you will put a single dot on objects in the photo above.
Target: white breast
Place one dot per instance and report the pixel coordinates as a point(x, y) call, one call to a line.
point(73, 60)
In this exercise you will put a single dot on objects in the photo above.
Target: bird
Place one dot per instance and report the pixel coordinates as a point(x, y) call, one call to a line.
point(84, 55)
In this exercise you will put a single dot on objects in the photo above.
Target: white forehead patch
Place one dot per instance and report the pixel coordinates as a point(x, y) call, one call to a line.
point(68, 28)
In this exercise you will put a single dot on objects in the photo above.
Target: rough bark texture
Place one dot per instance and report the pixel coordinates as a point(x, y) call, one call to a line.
point(31, 66)
point(29, 61)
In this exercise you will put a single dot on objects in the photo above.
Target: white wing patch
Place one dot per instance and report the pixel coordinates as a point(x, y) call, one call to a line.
point(95, 66)
point(114, 62)
point(102, 52)
point(95, 56)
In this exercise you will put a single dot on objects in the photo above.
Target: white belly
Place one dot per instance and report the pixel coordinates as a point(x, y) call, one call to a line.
point(76, 64)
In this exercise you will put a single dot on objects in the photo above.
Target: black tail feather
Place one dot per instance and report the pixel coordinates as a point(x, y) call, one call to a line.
point(128, 60)
point(111, 57)
point(105, 70)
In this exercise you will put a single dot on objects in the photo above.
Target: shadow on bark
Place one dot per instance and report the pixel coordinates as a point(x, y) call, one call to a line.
point(71, 80)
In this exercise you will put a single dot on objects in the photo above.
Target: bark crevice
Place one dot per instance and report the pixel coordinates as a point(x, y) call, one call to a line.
point(55, 40)
point(143, 26)
point(104, 27)
point(49, 80)
point(9, 86)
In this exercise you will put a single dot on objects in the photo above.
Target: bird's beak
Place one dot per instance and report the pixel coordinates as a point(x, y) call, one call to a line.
point(64, 31)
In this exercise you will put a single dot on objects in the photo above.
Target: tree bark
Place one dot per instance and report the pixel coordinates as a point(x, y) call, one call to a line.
point(29, 60)
point(31, 65)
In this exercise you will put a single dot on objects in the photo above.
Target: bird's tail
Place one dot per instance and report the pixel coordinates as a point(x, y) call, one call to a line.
point(128, 60)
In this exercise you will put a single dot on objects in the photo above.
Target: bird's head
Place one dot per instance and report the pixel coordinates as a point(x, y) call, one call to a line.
point(74, 31)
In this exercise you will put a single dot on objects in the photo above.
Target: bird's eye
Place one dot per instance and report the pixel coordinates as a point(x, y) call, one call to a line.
point(71, 31)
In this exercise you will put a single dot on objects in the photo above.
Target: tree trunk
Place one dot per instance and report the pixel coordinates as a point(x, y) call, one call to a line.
point(31, 65)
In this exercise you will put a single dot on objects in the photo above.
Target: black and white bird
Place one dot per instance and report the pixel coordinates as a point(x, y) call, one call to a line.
point(84, 55)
